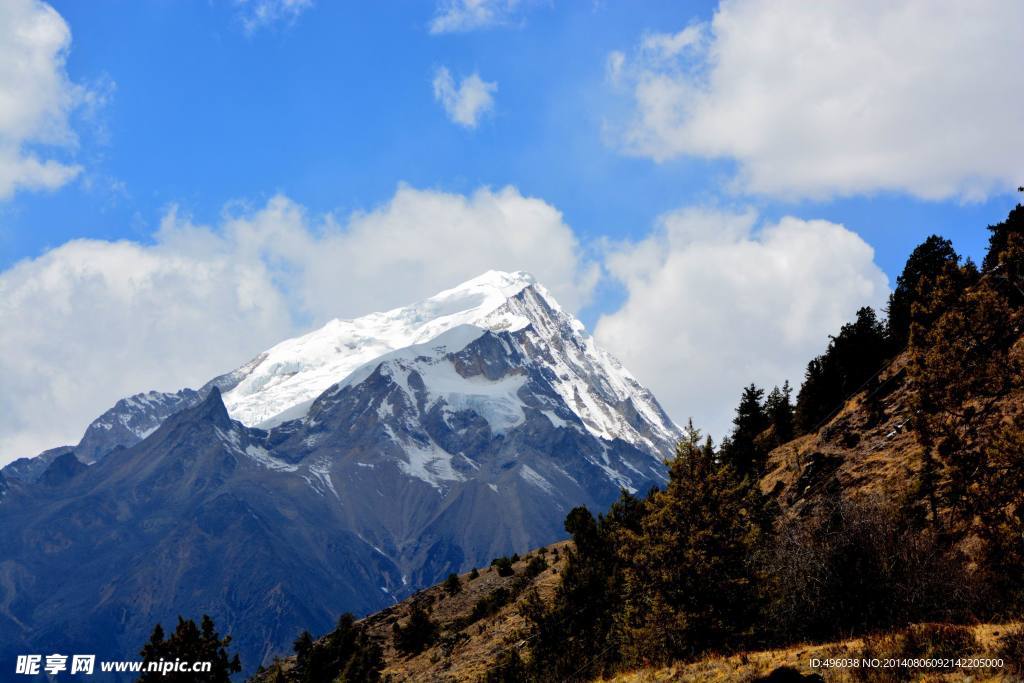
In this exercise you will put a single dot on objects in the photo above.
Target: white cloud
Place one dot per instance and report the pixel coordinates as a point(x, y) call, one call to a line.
point(36, 97)
point(92, 321)
point(829, 98)
point(716, 301)
point(256, 14)
point(454, 16)
point(466, 103)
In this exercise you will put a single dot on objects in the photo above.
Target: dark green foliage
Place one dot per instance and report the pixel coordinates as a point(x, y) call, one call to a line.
point(452, 585)
point(490, 604)
point(778, 409)
point(743, 452)
point(688, 582)
point(535, 566)
point(852, 357)
point(1002, 233)
point(190, 643)
point(418, 633)
point(928, 261)
point(503, 565)
point(346, 654)
point(303, 648)
point(654, 579)
point(586, 601)
point(474, 574)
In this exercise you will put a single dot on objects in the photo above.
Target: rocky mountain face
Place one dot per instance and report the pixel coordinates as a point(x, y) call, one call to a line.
point(336, 472)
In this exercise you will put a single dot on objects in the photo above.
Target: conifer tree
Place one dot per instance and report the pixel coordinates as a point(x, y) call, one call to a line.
point(966, 359)
point(303, 648)
point(928, 261)
point(418, 633)
point(853, 356)
point(779, 411)
point(452, 584)
point(587, 599)
point(688, 581)
point(744, 453)
point(190, 643)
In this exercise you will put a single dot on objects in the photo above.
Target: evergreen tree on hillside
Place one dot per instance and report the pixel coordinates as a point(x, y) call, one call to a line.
point(419, 631)
point(587, 600)
point(967, 361)
point(743, 452)
point(345, 655)
point(190, 643)
point(778, 409)
point(452, 585)
point(303, 648)
point(929, 259)
point(688, 582)
point(1001, 236)
point(853, 356)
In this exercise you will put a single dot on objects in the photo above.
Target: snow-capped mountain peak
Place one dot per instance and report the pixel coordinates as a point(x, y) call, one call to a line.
point(281, 383)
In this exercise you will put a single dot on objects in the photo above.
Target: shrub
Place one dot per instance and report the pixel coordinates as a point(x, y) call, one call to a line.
point(452, 585)
point(418, 633)
point(503, 565)
point(474, 574)
point(536, 565)
point(1011, 649)
point(854, 567)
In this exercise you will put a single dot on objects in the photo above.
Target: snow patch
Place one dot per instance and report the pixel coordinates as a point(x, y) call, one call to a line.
point(431, 464)
point(530, 475)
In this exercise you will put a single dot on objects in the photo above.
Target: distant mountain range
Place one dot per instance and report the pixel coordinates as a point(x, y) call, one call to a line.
point(337, 471)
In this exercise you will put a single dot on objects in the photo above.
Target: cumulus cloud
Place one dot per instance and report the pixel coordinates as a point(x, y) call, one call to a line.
point(829, 99)
point(36, 98)
point(454, 16)
point(467, 102)
point(256, 14)
point(716, 300)
point(91, 321)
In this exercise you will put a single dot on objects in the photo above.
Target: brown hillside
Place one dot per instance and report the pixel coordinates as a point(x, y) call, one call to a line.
point(467, 646)
point(851, 451)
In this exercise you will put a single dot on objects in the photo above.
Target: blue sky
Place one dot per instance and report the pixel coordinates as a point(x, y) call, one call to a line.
point(200, 111)
point(334, 108)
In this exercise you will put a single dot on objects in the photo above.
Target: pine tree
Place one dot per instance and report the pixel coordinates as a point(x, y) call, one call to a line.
point(587, 599)
point(1002, 234)
point(744, 453)
point(852, 358)
point(928, 261)
point(303, 648)
point(779, 411)
point(418, 633)
point(190, 643)
point(687, 579)
point(452, 585)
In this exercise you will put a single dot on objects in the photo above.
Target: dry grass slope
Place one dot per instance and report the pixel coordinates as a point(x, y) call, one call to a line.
point(749, 666)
